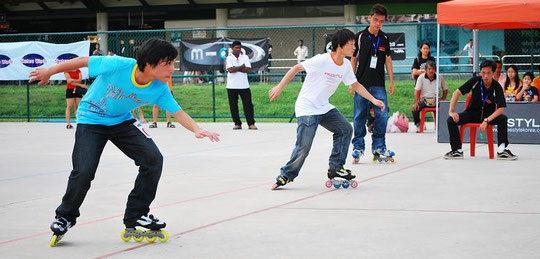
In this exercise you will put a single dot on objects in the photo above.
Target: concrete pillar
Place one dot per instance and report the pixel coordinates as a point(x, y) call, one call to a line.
point(222, 17)
point(349, 15)
point(102, 22)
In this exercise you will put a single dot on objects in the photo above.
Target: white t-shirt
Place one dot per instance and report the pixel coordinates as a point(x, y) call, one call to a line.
point(301, 53)
point(469, 49)
point(237, 80)
point(428, 87)
point(322, 80)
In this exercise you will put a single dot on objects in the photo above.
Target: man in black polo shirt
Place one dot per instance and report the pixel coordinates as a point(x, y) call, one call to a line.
point(370, 57)
point(487, 105)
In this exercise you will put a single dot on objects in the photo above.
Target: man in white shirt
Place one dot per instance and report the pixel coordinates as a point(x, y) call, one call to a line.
point(301, 53)
point(238, 66)
point(324, 74)
point(425, 92)
point(470, 51)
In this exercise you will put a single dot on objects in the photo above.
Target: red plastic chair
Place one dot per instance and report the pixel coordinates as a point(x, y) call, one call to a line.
point(472, 130)
point(423, 117)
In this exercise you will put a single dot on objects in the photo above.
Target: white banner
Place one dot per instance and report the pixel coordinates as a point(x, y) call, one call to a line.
point(17, 59)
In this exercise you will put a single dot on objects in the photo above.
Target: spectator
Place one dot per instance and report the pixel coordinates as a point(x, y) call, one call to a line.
point(425, 93)
point(110, 53)
point(536, 81)
point(528, 93)
point(238, 66)
point(512, 83)
point(498, 76)
point(419, 64)
point(370, 58)
point(73, 80)
point(487, 106)
point(97, 51)
point(470, 51)
point(155, 110)
point(301, 53)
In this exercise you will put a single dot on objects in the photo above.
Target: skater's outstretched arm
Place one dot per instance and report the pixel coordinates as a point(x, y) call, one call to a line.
point(361, 90)
point(276, 91)
point(42, 75)
point(187, 122)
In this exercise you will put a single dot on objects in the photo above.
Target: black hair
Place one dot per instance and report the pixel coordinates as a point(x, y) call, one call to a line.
point(516, 79)
point(379, 9)
point(341, 38)
point(301, 41)
point(154, 51)
point(430, 63)
point(236, 43)
point(470, 39)
point(422, 45)
point(488, 63)
point(529, 74)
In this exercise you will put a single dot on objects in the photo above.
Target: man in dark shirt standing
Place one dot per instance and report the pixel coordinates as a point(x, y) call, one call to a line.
point(487, 105)
point(370, 57)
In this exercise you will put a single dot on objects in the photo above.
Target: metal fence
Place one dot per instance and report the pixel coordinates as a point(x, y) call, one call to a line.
point(518, 47)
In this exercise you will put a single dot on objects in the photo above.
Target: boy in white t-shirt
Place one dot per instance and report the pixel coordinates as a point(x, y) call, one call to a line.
point(324, 74)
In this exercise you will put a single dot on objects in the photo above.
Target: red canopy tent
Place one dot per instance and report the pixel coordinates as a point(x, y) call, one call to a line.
point(490, 14)
point(486, 14)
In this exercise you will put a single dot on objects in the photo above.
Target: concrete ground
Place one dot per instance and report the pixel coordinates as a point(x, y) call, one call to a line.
point(216, 199)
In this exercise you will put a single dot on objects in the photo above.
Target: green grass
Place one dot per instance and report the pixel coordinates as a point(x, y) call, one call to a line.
point(196, 100)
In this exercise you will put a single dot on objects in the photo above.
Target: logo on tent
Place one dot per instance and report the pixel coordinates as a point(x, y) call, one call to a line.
point(5, 61)
point(65, 57)
point(33, 60)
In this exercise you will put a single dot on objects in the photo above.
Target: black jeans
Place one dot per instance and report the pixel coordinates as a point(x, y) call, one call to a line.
point(474, 117)
point(416, 114)
point(245, 94)
point(90, 141)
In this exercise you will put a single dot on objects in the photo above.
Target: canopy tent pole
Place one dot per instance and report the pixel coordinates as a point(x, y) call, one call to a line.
point(437, 82)
point(476, 49)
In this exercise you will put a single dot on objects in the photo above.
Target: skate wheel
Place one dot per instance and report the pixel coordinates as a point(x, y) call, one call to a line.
point(124, 237)
point(151, 239)
point(139, 235)
point(328, 184)
point(374, 161)
point(275, 186)
point(354, 184)
point(337, 184)
point(345, 184)
point(54, 240)
point(165, 236)
point(392, 160)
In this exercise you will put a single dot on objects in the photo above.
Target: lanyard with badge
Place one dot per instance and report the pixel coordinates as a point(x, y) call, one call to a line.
point(484, 100)
point(373, 62)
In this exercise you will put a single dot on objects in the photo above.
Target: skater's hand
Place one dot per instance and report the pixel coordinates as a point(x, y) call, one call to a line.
point(41, 75)
point(351, 90)
point(214, 137)
point(274, 93)
point(454, 116)
point(379, 104)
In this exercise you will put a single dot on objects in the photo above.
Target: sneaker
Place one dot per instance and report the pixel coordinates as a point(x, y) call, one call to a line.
point(252, 127)
point(153, 125)
point(454, 154)
point(61, 225)
point(506, 155)
point(170, 125)
point(237, 127)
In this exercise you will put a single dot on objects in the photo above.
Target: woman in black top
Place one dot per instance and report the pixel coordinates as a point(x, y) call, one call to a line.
point(419, 65)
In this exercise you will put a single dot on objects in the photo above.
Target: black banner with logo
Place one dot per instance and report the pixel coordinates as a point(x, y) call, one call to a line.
point(523, 124)
point(204, 55)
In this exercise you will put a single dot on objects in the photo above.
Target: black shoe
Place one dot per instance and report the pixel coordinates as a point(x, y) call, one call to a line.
point(454, 154)
point(280, 181)
point(506, 155)
point(149, 222)
point(341, 173)
point(61, 225)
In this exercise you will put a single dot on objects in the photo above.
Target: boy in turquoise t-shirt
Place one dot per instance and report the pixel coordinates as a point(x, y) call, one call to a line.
point(104, 114)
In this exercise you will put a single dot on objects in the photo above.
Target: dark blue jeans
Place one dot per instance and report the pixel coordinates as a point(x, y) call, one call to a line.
point(90, 141)
point(333, 121)
point(361, 110)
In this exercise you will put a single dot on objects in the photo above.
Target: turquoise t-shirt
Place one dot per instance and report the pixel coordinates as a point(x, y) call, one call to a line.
point(115, 92)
